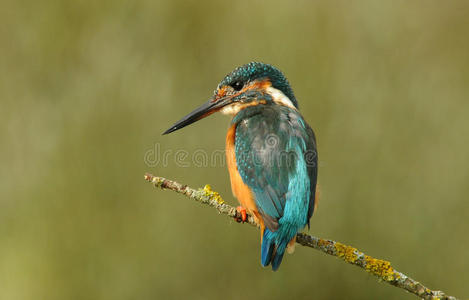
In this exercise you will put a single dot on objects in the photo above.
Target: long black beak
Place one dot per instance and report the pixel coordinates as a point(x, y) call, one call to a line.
point(199, 113)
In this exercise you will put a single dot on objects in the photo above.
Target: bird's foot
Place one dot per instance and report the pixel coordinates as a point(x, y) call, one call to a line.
point(243, 215)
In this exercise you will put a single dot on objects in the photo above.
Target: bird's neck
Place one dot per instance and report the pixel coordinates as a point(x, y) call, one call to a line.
point(280, 98)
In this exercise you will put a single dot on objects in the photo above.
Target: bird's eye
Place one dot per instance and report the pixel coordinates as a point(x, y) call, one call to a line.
point(237, 85)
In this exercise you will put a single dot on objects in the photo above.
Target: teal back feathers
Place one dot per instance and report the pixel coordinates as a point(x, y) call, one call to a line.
point(276, 157)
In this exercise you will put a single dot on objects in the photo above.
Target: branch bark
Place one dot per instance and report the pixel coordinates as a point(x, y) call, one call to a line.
point(379, 268)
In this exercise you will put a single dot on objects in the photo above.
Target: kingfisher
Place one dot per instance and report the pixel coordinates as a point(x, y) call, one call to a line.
point(270, 152)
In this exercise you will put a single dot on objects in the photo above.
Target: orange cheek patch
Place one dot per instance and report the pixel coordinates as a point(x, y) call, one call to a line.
point(257, 85)
point(222, 92)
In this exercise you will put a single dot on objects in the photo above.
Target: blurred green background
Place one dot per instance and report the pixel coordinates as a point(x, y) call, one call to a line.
point(87, 88)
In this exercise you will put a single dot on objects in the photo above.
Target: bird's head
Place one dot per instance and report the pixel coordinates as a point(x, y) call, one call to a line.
point(252, 84)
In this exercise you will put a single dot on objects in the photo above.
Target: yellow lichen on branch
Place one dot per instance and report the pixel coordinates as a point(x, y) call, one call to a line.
point(346, 252)
point(214, 195)
point(381, 268)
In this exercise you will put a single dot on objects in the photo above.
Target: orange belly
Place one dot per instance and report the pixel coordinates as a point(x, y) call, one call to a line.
point(240, 190)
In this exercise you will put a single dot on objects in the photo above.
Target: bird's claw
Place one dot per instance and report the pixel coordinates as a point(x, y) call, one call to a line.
point(242, 217)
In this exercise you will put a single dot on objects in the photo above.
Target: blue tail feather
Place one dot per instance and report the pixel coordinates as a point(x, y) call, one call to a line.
point(267, 249)
point(271, 250)
point(277, 260)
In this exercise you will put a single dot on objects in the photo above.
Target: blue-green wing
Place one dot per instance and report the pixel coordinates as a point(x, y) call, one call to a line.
point(276, 157)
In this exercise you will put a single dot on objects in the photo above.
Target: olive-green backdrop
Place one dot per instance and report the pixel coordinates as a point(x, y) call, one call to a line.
point(87, 88)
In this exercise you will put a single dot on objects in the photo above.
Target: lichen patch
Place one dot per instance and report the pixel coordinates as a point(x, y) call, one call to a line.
point(212, 194)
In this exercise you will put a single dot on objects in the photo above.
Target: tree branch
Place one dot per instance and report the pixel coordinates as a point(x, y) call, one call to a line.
point(380, 268)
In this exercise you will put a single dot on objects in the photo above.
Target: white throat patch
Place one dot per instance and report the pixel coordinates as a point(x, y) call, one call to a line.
point(231, 109)
point(280, 98)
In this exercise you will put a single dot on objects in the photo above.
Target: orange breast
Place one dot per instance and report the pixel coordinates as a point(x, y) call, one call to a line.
point(240, 190)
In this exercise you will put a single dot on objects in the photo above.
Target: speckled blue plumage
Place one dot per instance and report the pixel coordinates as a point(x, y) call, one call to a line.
point(276, 157)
